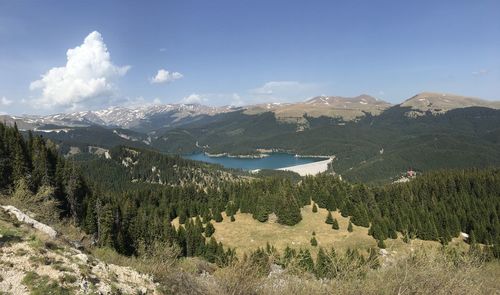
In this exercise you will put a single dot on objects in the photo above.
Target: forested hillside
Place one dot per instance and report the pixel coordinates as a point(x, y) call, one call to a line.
point(373, 148)
point(434, 206)
point(38, 178)
point(125, 165)
point(126, 208)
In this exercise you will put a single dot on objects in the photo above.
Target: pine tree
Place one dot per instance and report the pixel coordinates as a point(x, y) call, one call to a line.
point(105, 225)
point(349, 227)
point(211, 250)
point(335, 224)
point(288, 210)
point(305, 260)
point(329, 218)
point(217, 216)
point(232, 218)
point(314, 243)
point(323, 265)
point(288, 255)
point(314, 208)
point(261, 213)
point(209, 230)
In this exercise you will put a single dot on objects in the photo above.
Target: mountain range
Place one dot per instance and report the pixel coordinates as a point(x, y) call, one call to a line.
point(371, 139)
point(154, 117)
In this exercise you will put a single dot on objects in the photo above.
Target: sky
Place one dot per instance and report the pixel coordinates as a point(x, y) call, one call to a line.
point(58, 56)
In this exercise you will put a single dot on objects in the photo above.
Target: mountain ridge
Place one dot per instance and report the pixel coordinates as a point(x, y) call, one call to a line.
point(438, 103)
point(153, 117)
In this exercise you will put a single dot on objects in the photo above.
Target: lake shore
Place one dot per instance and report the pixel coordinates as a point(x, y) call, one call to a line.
point(255, 156)
point(310, 168)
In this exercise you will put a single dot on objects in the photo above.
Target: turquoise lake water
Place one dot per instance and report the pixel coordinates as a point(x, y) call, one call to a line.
point(274, 161)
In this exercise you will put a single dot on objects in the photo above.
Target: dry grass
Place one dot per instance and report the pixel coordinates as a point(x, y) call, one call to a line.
point(247, 234)
point(423, 272)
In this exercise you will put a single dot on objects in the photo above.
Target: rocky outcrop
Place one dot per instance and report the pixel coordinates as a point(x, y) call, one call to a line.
point(28, 220)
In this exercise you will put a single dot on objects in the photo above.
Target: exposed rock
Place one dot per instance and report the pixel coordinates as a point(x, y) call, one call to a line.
point(82, 257)
point(28, 220)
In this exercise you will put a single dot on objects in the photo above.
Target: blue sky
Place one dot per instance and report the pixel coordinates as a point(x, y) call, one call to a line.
point(241, 52)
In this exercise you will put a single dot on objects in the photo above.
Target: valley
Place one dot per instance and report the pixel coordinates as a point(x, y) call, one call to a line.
point(249, 147)
point(426, 132)
point(244, 198)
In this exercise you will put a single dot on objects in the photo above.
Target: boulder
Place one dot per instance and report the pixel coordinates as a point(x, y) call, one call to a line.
point(28, 220)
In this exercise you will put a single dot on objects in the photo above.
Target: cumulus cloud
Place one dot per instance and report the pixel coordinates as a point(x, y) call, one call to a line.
point(193, 98)
point(87, 76)
point(164, 76)
point(281, 91)
point(4, 101)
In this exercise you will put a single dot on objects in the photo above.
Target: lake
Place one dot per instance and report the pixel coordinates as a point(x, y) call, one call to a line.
point(274, 161)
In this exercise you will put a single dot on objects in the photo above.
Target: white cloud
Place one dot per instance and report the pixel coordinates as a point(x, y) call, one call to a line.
point(194, 98)
point(164, 76)
point(87, 76)
point(237, 101)
point(481, 72)
point(4, 101)
point(283, 91)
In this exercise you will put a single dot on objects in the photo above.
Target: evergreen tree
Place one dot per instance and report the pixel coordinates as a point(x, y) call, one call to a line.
point(314, 243)
point(349, 227)
point(288, 210)
point(261, 213)
point(305, 261)
point(335, 224)
point(105, 225)
point(211, 250)
point(209, 230)
point(314, 208)
point(182, 216)
point(329, 218)
point(324, 265)
point(217, 216)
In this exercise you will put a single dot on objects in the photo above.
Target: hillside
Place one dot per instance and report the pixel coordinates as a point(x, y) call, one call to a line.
point(438, 103)
point(125, 166)
point(190, 238)
point(372, 140)
point(345, 108)
point(375, 148)
point(33, 263)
